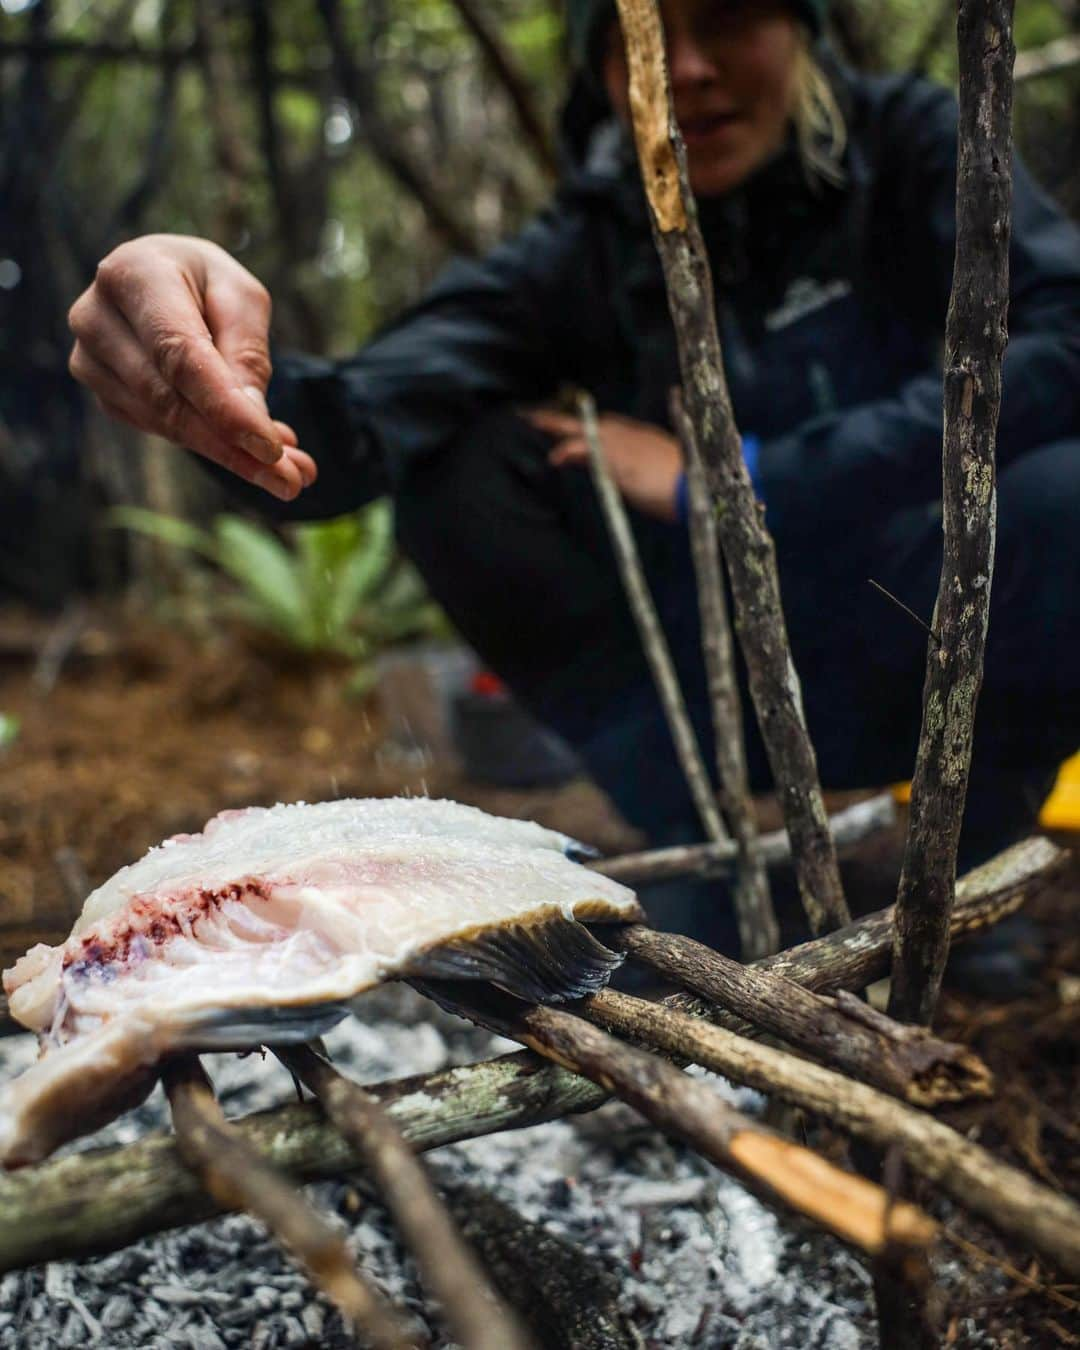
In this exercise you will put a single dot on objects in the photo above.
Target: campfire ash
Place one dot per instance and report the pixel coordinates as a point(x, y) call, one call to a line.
point(695, 1259)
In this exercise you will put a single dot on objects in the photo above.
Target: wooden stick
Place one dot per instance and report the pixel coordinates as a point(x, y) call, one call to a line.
point(849, 827)
point(87, 1203)
point(748, 550)
point(843, 1032)
point(238, 1178)
point(975, 337)
point(782, 1172)
point(650, 628)
point(860, 954)
point(759, 933)
point(1005, 1197)
point(477, 1317)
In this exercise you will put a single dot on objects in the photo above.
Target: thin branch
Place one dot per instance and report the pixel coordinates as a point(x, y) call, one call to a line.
point(231, 148)
point(473, 1310)
point(975, 339)
point(650, 628)
point(748, 550)
point(59, 49)
point(1005, 1197)
point(238, 1178)
point(155, 166)
point(1054, 57)
point(782, 1172)
point(759, 933)
point(848, 827)
point(844, 1033)
point(505, 70)
point(384, 144)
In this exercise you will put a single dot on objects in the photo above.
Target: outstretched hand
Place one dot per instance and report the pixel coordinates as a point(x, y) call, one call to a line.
point(173, 338)
point(645, 461)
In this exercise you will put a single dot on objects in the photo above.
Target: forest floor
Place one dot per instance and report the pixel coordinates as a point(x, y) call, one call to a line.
point(129, 733)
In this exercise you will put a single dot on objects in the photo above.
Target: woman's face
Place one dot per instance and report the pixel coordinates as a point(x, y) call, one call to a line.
point(732, 65)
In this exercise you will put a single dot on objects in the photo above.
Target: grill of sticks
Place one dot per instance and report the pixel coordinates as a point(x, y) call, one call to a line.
point(828, 1053)
point(787, 1024)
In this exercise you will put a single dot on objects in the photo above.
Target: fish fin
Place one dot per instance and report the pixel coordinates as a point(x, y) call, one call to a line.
point(551, 960)
point(244, 1028)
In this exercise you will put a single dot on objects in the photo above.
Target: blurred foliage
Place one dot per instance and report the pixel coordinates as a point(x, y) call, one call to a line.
point(341, 149)
point(9, 729)
point(363, 247)
point(337, 588)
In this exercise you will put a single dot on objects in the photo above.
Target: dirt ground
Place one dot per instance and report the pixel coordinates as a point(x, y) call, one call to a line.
point(129, 733)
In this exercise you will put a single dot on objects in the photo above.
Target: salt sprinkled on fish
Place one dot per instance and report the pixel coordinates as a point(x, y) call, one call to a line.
point(267, 925)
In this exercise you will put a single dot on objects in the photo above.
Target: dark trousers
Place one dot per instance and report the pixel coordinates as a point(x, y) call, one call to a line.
point(518, 555)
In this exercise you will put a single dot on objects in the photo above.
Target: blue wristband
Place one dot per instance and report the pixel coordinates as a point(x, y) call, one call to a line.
point(682, 500)
point(751, 452)
point(751, 447)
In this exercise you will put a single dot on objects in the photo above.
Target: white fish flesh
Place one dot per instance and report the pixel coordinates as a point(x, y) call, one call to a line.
point(265, 926)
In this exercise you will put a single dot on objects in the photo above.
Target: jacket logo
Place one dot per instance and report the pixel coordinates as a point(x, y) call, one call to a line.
point(805, 295)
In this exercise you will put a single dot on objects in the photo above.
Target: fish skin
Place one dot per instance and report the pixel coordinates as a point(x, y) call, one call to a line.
point(263, 927)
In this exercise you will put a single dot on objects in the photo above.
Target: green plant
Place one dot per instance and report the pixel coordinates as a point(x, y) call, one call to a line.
point(338, 587)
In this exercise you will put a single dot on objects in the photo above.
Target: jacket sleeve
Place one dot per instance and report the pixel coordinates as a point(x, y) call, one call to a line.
point(868, 460)
point(494, 330)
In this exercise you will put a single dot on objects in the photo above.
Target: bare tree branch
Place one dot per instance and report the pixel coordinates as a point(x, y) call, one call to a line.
point(748, 550)
point(975, 338)
point(842, 1032)
point(384, 144)
point(649, 627)
point(505, 70)
point(759, 933)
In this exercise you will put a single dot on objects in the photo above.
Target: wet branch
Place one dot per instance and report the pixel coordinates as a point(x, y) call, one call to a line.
point(238, 1178)
point(748, 549)
point(975, 337)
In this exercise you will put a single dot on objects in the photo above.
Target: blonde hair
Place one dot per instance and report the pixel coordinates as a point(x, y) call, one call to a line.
point(820, 129)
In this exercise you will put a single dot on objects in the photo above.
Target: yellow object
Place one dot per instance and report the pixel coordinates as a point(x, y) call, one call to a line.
point(1061, 810)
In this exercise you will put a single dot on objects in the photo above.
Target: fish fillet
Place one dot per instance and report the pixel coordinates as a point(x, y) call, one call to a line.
point(266, 925)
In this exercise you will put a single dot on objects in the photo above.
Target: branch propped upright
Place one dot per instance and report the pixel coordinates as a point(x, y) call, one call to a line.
point(748, 549)
point(975, 337)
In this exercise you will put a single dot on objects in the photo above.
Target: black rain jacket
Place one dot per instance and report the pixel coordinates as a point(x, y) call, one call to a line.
point(831, 304)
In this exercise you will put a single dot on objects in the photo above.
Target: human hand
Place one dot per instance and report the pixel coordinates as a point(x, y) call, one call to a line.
point(645, 461)
point(172, 337)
